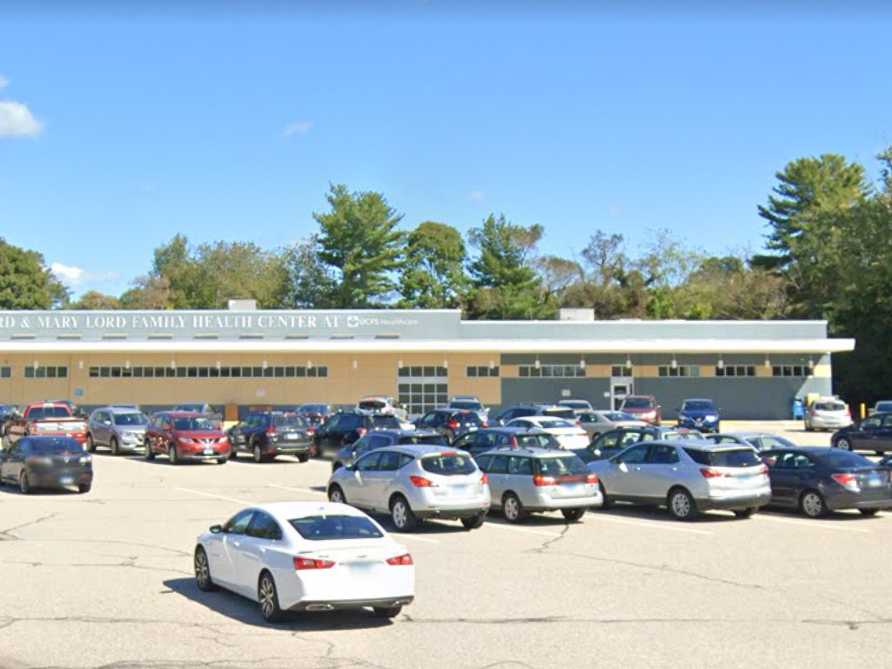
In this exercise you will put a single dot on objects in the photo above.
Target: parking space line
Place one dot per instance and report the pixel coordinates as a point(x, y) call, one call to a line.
point(210, 494)
point(286, 487)
point(525, 530)
point(651, 525)
point(818, 524)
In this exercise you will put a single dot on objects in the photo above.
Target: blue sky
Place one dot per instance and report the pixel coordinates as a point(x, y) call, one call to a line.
point(121, 131)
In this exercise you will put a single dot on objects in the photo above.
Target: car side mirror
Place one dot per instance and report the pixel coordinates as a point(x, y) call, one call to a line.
point(216, 529)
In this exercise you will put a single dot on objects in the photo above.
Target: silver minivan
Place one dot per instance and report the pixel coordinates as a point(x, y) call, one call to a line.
point(412, 482)
point(688, 477)
point(534, 480)
point(120, 428)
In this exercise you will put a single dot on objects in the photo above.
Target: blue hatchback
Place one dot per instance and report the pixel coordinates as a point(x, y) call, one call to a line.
point(702, 415)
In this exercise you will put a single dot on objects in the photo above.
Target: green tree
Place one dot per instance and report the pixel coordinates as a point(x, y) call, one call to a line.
point(26, 282)
point(433, 274)
point(310, 282)
point(93, 300)
point(805, 188)
point(147, 292)
point(359, 242)
point(504, 278)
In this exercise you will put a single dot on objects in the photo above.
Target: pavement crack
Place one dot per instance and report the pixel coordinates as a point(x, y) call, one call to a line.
point(8, 532)
point(548, 543)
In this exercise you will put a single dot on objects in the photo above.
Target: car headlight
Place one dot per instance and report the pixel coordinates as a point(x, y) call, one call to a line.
point(712, 417)
point(184, 440)
point(128, 436)
point(85, 459)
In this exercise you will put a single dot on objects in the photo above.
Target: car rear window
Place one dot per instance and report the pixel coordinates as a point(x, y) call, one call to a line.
point(830, 406)
point(536, 441)
point(197, 423)
point(288, 420)
point(732, 457)
point(328, 528)
point(466, 404)
point(566, 414)
point(469, 418)
point(432, 439)
point(637, 403)
point(561, 466)
point(452, 464)
point(554, 423)
point(39, 413)
point(373, 405)
point(698, 405)
point(386, 422)
point(844, 460)
point(55, 446)
point(130, 419)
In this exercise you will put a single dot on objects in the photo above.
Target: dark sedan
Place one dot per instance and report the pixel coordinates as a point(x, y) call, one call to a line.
point(477, 443)
point(820, 480)
point(383, 438)
point(46, 462)
point(874, 433)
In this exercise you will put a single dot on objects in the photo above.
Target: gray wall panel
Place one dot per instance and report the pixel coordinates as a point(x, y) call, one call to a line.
point(521, 391)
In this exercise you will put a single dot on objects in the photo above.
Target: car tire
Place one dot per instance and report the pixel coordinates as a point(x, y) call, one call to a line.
point(113, 445)
point(843, 443)
point(172, 454)
point(811, 504)
point(869, 512)
point(24, 484)
point(222, 461)
point(573, 515)
point(744, 513)
point(84, 488)
point(606, 503)
point(474, 522)
point(336, 495)
point(387, 611)
point(257, 454)
point(404, 520)
point(681, 504)
point(148, 454)
point(268, 598)
point(303, 457)
point(91, 445)
point(512, 509)
point(203, 578)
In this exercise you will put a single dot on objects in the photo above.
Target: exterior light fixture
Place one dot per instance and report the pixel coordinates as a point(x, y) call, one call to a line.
point(491, 364)
point(36, 364)
point(674, 363)
point(126, 364)
point(582, 363)
point(309, 364)
point(80, 364)
point(355, 364)
point(721, 363)
point(537, 364)
point(445, 364)
point(173, 364)
point(219, 365)
point(811, 363)
point(399, 364)
point(767, 361)
point(264, 364)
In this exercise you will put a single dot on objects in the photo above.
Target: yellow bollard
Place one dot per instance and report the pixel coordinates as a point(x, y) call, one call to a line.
point(863, 411)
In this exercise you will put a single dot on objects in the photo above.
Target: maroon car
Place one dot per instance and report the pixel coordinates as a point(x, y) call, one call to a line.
point(643, 407)
point(186, 436)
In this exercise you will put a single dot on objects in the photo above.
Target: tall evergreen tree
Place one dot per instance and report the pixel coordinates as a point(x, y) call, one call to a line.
point(433, 275)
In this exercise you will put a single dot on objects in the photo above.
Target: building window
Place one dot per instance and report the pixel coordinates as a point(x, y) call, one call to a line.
point(735, 370)
point(792, 370)
point(5, 372)
point(52, 372)
point(551, 371)
point(474, 371)
point(419, 372)
point(620, 370)
point(419, 398)
point(678, 371)
point(278, 371)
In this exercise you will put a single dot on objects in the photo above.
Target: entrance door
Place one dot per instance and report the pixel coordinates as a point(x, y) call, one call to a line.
point(620, 388)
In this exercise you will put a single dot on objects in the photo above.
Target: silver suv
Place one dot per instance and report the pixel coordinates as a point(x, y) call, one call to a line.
point(531, 480)
point(413, 482)
point(118, 428)
point(686, 476)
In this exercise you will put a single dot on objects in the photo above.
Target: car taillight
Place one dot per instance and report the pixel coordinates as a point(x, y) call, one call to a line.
point(514, 443)
point(484, 479)
point(484, 424)
point(591, 478)
point(452, 424)
point(311, 430)
point(763, 469)
point(271, 430)
point(709, 473)
point(539, 480)
point(400, 560)
point(848, 481)
point(421, 482)
point(301, 563)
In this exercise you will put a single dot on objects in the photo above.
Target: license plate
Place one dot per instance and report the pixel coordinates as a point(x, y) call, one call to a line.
point(209, 451)
point(874, 482)
point(66, 480)
point(291, 436)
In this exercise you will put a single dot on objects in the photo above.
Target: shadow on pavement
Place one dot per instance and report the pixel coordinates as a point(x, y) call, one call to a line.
point(244, 611)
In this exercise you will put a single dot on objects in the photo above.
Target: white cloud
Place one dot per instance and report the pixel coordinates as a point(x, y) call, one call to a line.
point(75, 277)
point(297, 128)
point(16, 120)
point(4, 82)
point(476, 196)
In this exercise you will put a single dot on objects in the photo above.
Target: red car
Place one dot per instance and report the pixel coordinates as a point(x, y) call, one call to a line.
point(643, 407)
point(186, 436)
point(47, 419)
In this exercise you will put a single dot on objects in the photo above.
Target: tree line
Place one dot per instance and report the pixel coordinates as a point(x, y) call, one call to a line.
point(828, 254)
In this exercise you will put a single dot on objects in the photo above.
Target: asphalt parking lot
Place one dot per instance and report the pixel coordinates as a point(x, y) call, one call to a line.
point(105, 580)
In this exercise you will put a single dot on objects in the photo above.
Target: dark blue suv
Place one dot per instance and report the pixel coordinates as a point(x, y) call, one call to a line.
point(702, 415)
point(266, 434)
point(383, 438)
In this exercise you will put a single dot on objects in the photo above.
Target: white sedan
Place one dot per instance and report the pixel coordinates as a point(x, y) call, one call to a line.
point(568, 434)
point(306, 556)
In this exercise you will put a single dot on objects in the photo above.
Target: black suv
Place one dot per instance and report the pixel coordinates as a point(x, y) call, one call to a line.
point(347, 426)
point(487, 439)
point(524, 410)
point(451, 423)
point(266, 434)
point(610, 443)
point(381, 439)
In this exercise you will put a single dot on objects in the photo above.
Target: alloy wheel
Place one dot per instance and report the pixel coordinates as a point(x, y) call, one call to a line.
point(202, 572)
point(114, 446)
point(812, 504)
point(24, 483)
point(844, 444)
point(336, 496)
point(400, 514)
point(511, 508)
point(258, 456)
point(681, 505)
point(267, 596)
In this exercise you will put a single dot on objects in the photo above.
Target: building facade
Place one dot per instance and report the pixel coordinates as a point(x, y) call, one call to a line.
point(236, 359)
